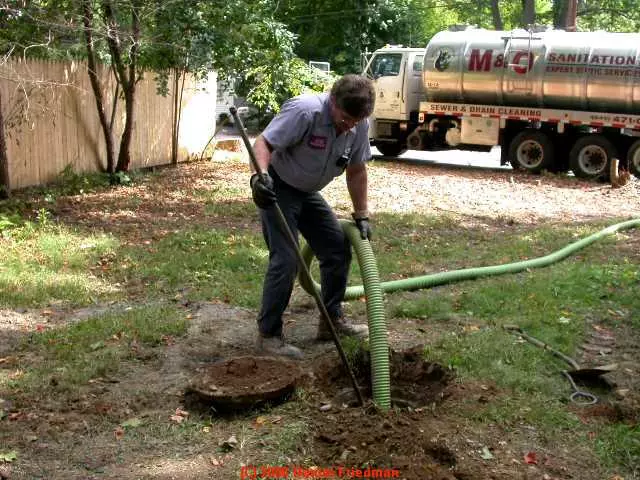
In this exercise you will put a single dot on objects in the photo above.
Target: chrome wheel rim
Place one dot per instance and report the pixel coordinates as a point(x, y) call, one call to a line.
point(592, 159)
point(530, 154)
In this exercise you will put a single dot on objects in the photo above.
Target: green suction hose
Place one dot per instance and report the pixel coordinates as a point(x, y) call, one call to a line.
point(378, 341)
point(373, 290)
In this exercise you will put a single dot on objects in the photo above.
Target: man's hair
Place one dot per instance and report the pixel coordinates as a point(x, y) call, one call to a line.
point(355, 95)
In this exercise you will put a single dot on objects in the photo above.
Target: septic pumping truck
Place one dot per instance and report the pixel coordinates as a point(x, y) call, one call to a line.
point(552, 100)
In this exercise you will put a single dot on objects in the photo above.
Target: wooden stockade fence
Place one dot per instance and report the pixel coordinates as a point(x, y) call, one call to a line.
point(51, 120)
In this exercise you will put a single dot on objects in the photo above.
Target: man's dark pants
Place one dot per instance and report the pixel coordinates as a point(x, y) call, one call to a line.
point(309, 214)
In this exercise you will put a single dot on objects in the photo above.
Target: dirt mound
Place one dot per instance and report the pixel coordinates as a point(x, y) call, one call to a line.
point(392, 441)
point(400, 440)
point(414, 381)
point(243, 382)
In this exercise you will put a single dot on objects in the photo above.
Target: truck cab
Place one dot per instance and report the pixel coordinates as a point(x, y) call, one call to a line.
point(396, 72)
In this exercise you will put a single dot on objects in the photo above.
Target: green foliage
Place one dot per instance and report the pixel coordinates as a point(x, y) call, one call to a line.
point(272, 86)
point(6, 223)
point(610, 15)
point(122, 178)
point(70, 182)
point(236, 38)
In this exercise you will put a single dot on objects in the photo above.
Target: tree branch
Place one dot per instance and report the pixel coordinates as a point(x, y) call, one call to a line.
point(113, 41)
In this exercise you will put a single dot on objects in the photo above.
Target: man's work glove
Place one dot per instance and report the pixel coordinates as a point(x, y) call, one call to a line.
point(262, 190)
point(362, 222)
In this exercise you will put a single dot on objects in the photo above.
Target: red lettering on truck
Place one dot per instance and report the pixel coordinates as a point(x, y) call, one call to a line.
point(479, 63)
point(522, 69)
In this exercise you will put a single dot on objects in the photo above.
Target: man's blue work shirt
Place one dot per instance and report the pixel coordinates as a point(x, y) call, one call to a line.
point(306, 150)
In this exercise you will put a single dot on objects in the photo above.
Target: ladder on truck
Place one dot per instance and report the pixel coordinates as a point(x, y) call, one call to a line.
point(525, 82)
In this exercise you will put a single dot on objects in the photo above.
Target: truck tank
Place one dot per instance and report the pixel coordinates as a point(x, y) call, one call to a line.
point(596, 71)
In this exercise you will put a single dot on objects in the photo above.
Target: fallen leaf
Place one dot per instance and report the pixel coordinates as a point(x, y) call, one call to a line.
point(486, 453)
point(16, 374)
point(229, 444)
point(182, 413)
point(103, 407)
point(97, 345)
point(8, 457)
point(215, 462)
point(118, 432)
point(530, 458)
point(276, 419)
point(177, 418)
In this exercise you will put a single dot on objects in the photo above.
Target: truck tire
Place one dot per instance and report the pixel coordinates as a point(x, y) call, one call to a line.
point(633, 158)
point(391, 149)
point(590, 157)
point(532, 151)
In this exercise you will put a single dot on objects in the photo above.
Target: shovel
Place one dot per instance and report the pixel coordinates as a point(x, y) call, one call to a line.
point(576, 372)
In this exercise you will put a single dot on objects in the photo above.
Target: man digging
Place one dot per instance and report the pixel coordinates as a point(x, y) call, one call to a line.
point(314, 139)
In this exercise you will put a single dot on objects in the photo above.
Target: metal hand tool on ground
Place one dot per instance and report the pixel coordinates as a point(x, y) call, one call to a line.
point(576, 371)
point(578, 396)
point(292, 240)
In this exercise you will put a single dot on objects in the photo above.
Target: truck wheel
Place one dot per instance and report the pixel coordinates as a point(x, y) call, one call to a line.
point(633, 158)
point(591, 156)
point(391, 149)
point(532, 151)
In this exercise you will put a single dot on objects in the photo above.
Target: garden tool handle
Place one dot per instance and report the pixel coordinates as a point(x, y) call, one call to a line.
point(303, 265)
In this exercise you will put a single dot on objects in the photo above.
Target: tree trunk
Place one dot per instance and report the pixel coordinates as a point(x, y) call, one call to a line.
point(495, 13)
point(572, 13)
point(559, 10)
point(5, 179)
point(184, 77)
point(125, 76)
point(107, 131)
point(175, 126)
point(124, 157)
point(528, 12)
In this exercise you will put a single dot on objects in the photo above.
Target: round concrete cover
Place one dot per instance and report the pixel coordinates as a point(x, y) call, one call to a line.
point(243, 382)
